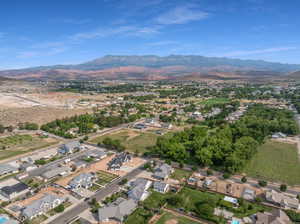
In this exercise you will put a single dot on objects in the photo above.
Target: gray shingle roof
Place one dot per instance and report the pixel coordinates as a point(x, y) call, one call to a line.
point(117, 210)
point(19, 187)
point(7, 168)
point(82, 180)
point(163, 171)
point(159, 186)
point(53, 172)
point(43, 204)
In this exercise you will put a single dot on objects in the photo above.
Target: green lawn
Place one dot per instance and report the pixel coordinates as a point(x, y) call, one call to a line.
point(275, 161)
point(191, 197)
point(180, 220)
point(139, 216)
point(19, 144)
point(135, 144)
point(156, 200)
point(105, 177)
point(179, 174)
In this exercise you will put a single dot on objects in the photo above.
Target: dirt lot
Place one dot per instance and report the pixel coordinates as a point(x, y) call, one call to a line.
point(39, 115)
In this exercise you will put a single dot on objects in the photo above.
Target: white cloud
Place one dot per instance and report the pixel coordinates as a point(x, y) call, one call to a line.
point(163, 43)
point(181, 15)
point(259, 51)
point(107, 32)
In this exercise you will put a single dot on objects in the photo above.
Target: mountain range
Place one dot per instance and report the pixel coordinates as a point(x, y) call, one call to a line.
point(151, 67)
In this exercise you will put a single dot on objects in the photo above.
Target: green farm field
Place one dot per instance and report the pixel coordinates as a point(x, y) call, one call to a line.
point(275, 161)
point(134, 141)
point(19, 144)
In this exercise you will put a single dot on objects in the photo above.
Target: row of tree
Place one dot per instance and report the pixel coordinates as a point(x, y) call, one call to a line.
point(229, 146)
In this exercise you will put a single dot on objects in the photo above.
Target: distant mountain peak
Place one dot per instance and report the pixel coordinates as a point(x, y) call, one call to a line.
point(146, 66)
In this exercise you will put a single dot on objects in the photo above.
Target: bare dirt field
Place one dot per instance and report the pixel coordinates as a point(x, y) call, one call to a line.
point(39, 115)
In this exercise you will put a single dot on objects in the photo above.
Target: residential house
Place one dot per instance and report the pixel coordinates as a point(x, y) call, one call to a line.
point(163, 172)
point(41, 206)
point(207, 183)
point(80, 164)
point(166, 125)
point(139, 126)
point(55, 172)
point(117, 162)
point(83, 180)
point(249, 194)
point(70, 147)
point(27, 166)
point(231, 200)
point(279, 135)
point(14, 191)
point(139, 189)
point(160, 187)
point(7, 169)
point(96, 154)
point(117, 210)
point(276, 216)
point(282, 200)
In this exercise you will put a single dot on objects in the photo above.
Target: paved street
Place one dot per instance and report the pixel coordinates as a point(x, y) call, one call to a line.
point(109, 189)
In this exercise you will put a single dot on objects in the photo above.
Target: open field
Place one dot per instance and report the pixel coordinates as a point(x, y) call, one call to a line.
point(275, 161)
point(169, 218)
point(134, 141)
point(19, 144)
point(39, 115)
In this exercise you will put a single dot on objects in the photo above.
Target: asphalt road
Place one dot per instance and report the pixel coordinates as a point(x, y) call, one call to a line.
point(99, 195)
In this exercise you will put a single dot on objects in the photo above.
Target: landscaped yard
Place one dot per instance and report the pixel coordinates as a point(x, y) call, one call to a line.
point(156, 200)
point(179, 174)
point(275, 161)
point(171, 218)
point(105, 177)
point(37, 220)
point(139, 216)
point(19, 144)
point(190, 198)
point(134, 141)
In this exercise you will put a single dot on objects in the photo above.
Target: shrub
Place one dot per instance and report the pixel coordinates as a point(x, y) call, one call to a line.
point(244, 179)
point(59, 208)
point(209, 172)
point(283, 187)
point(262, 183)
point(226, 175)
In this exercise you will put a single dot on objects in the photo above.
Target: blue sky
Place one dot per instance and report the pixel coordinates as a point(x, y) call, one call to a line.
point(35, 32)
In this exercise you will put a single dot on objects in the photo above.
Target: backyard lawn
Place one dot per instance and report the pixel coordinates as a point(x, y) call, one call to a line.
point(139, 216)
point(134, 141)
point(19, 144)
point(105, 177)
point(275, 161)
point(156, 200)
point(171, 218)
point(179, 174)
